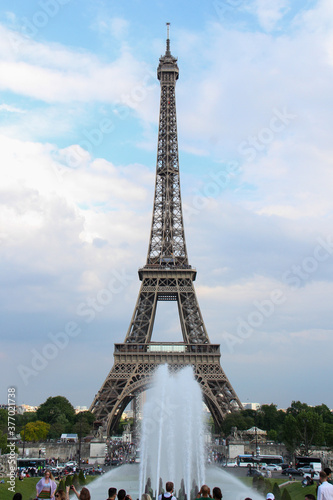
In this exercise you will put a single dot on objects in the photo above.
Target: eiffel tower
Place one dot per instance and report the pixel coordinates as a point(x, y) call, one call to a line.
point(167, 275)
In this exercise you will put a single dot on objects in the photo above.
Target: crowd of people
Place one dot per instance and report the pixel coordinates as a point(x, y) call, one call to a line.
point(46, 489)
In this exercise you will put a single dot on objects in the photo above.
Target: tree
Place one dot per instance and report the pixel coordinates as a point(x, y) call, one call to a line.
point(76, 481)
point(240, 420)
point(61, 425)
point(85, 416)
point(276, 491)
point(62, 485)
point(310, 429)
point(3, 443)
point(53, 407)
point(84, 423)
point(24, 418)
point(272, 435)
point(328, 432)
point(290, 437)
point(325, 412)
point(3, 420)
point(303, 429)
point(82, 479)
point(268, 417)
point(296, 407)
point(69, 480)
point(36, 431)
point(268, 486)
point(285, 495)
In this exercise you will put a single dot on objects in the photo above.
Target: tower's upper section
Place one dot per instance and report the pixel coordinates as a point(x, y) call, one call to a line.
point(167, 247)
point(167, 70)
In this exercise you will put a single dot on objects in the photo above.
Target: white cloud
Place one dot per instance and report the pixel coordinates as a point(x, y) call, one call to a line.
point(270, 12)
point(56, 218)
point(51, 73)
point(11, 109)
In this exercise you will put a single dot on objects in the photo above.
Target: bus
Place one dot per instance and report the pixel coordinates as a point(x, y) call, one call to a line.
point(314, 462)
point(38, 463)
point(250, 460)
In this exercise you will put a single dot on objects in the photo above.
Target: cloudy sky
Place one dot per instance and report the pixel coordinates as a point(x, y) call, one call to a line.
point(78, 132)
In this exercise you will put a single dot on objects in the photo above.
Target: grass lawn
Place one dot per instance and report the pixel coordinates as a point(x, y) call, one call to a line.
point(297, 492)
point(27, 487)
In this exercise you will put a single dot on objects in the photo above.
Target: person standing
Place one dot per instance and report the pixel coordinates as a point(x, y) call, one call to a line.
point(217, 493)
point(46, 487)
point(328, 472)
point(112, 493)
point(325, 489)
point(204, 492)
point(169, 486)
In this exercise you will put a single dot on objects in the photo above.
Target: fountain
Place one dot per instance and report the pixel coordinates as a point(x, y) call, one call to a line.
point(172, 432)
point(172, 444)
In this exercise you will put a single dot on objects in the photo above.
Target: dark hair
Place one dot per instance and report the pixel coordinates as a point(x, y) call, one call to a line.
point(121, 494)
point(61, 493)
point(310, 496)
point(112, 492)
point(217, 493)
point(327, 470)
point(17, 496)
point(169, 486)
point(84, 494)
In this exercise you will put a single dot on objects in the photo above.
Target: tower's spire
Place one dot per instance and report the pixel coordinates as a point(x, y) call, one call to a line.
point(167, 52)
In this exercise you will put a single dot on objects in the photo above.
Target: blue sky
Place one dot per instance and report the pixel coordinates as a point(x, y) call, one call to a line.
point(78, 132)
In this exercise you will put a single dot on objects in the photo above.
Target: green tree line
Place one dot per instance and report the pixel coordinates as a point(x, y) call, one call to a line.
point(299, 427)
point(54, 417)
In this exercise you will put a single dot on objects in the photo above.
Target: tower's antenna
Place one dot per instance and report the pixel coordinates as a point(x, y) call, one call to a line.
point(168, 39)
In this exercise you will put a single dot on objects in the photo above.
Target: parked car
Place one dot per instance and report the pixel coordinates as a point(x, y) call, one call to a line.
point(272, 467)
point(292, 471)
point(71, 463)
point(233, 463)
point(284, 466)
point(307, 469)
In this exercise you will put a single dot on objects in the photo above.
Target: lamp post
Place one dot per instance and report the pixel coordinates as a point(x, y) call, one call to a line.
point(80, 432)
point(23, 437)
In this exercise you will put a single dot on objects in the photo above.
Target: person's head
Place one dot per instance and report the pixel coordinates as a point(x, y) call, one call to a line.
point(84, 494)
point(112, 492)
point(121, 494)
point(145, 496)
point(322, 476)
point(270, 496)
point(327, 471)
point(17, 496)
point(217, 493)
point(248, 498)
point(169, 486)
point(205, 490)
point(60, 495)
point(48, 475)
point(309, 497)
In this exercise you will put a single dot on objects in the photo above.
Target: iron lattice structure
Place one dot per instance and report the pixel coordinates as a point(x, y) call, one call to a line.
point(167, 275)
